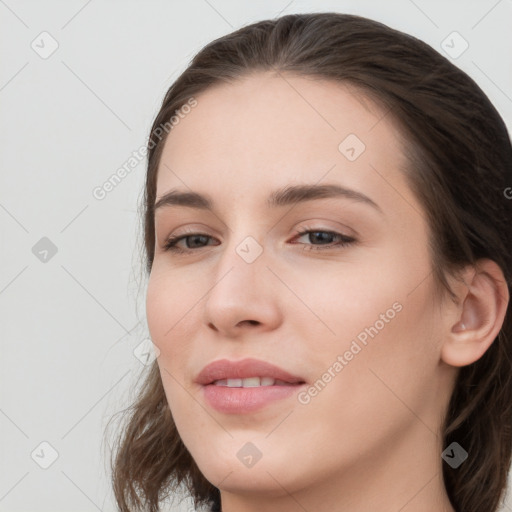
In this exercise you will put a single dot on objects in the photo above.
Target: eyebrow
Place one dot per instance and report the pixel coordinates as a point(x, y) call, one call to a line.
point(282, 197)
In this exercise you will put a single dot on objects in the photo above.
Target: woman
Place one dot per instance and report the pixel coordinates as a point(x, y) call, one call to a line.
point(327, 233)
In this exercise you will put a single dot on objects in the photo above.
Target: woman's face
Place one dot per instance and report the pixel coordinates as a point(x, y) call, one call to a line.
point(348, 308)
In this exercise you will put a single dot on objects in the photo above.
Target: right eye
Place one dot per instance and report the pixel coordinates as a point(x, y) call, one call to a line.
point(171, 242)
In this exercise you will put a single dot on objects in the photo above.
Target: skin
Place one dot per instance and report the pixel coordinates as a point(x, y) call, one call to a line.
point(371, 438)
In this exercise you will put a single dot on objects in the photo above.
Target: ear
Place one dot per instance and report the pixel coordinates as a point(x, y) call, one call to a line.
point(476, 319)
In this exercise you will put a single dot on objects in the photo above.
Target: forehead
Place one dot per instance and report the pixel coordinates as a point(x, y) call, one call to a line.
point(266, 130)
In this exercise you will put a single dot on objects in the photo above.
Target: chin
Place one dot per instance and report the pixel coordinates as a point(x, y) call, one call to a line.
point(240, 480)
point(225, 468)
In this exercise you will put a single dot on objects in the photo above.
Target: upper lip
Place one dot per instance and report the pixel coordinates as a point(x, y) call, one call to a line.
point(226, 369)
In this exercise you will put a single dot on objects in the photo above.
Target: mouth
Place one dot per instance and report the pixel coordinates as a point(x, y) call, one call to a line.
point(239, 400)
point(246, 386)
point(253, 382)
point(247, 372)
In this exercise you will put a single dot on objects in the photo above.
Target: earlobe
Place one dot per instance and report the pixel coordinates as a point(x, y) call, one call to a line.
point(474, 325)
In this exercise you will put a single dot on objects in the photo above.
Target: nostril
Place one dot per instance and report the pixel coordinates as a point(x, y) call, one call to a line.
point(252, 322)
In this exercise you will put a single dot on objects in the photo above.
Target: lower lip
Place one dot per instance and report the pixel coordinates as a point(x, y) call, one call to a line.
point(245, 400)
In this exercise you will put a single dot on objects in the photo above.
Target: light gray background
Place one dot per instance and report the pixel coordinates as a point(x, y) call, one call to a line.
point(70, 324)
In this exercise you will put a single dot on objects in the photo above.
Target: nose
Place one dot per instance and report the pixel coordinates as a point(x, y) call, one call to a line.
point(243, 294)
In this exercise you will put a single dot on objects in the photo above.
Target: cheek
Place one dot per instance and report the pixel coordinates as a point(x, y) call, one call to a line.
point(157, 307)
point(389, 381)
point(382, 323)
point(169, 307)
point(382, 386)
point(170, 318)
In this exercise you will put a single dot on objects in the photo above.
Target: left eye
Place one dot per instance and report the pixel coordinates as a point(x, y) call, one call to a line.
point(343, 240)
point(319, 235)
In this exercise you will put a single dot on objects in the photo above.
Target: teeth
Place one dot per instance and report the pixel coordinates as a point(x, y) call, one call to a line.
point(250, 382)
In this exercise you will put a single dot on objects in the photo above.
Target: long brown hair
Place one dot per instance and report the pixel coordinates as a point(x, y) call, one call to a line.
point(460, 159)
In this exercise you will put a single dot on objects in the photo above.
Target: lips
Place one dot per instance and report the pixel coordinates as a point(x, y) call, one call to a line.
point(229, 387)
point(225, 369)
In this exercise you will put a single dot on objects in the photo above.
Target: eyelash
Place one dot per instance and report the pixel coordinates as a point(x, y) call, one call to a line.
point(170, 244)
